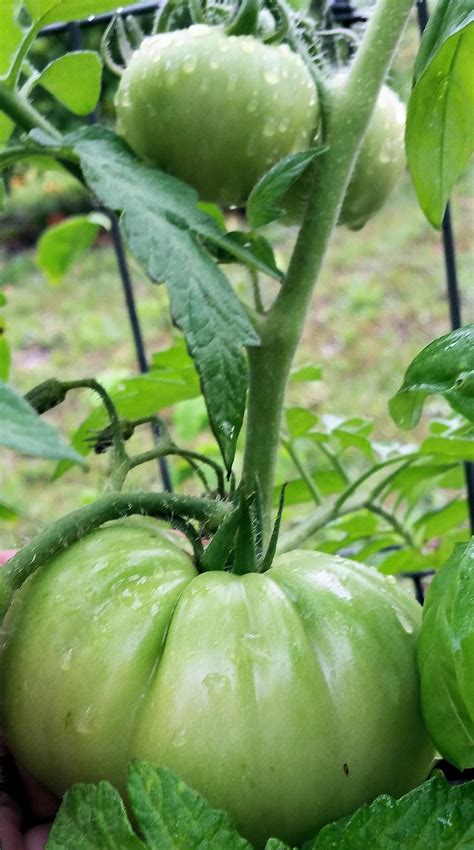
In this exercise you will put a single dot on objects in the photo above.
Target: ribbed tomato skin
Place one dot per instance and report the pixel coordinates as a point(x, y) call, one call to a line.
point(287, 699)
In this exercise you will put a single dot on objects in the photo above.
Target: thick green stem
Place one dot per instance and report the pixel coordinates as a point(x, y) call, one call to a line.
point(74, 526)
point(23, 113)
point(281, 330)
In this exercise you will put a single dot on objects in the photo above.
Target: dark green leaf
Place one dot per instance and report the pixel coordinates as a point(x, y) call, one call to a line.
point(447, 19)
point(22, 430)
point(249, 248)
point(262, 205)
point(164, 229)
point(217, 552)
point(276, 844)
point(445, 366)
point(272, 546)
point(245, 555)
point(160, 802)
point(93, 817)
point(74, 79)
point(440, 130)
point(446, 658)
point(435, 816)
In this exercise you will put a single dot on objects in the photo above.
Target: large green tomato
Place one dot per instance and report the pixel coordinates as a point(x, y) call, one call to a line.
point(287, 699)
point(215, 111)
point(380, 164)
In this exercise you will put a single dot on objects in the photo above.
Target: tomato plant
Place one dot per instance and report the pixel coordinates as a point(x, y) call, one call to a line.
point(266, 693)
point(216, 111)
point(285, 689)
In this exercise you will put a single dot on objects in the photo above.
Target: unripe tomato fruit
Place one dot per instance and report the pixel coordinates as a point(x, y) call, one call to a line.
point(287, 699)
point(215, 111)
point(380, 164)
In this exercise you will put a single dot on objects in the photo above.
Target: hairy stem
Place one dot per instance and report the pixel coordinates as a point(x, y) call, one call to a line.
point(75, 525)
point(345, 125)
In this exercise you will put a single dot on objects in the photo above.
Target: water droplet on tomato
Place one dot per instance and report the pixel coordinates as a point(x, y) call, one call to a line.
point(189, 63)
point(248, 46)
point(271, 77)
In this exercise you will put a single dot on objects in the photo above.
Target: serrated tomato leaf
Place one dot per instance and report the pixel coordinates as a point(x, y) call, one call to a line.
point(434, 815)
point(172, 816)
point(165, 230)
point(93, 817)
point(23, 431)
point(446, 658)
point(445, 366)
point(262, 205)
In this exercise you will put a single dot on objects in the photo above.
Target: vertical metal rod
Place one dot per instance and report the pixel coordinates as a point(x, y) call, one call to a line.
point(76, 44)
point(454, 299)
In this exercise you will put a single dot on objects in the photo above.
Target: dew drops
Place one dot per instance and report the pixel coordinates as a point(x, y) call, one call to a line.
point(283, 125)
point(189, 63)
point(269, 129)
point(248, 47)
point(214, 64)
point(224, 47)
point(252, 106)
point(65, 660)
point(271, 77)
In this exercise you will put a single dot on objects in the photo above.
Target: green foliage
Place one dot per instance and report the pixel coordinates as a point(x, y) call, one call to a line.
point(171, 816)
point(74, 80)
point(433, 815)
point(22, 430)
point(440, 132)
point(62, 244)
point(445, 366)
point(262, 206)
point(164, 228)
point(446, 658)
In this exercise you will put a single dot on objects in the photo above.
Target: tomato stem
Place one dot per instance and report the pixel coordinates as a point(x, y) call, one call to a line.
point(345, 126)
point(67, 530)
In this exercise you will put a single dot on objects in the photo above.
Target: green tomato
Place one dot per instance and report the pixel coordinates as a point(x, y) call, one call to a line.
point(380, 164)
point(215, 111)
point(287, 699)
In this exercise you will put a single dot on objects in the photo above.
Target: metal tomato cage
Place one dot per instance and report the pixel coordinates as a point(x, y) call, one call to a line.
point(347, 15)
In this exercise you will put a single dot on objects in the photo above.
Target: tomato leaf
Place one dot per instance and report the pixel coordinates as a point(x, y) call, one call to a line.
point(446, 658)
point(172, 816)
point(74, 80)
point(445, 366)
point(51, 11)
point(164, 229)
point(61, 244)
point(217, 552)
point(12, 36)
point(262, 203)
point(93, 816)
point(22, 430)
point(434, 815)
point(440, 132)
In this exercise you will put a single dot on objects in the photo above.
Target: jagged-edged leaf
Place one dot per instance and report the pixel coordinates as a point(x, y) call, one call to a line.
point(164, 230)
